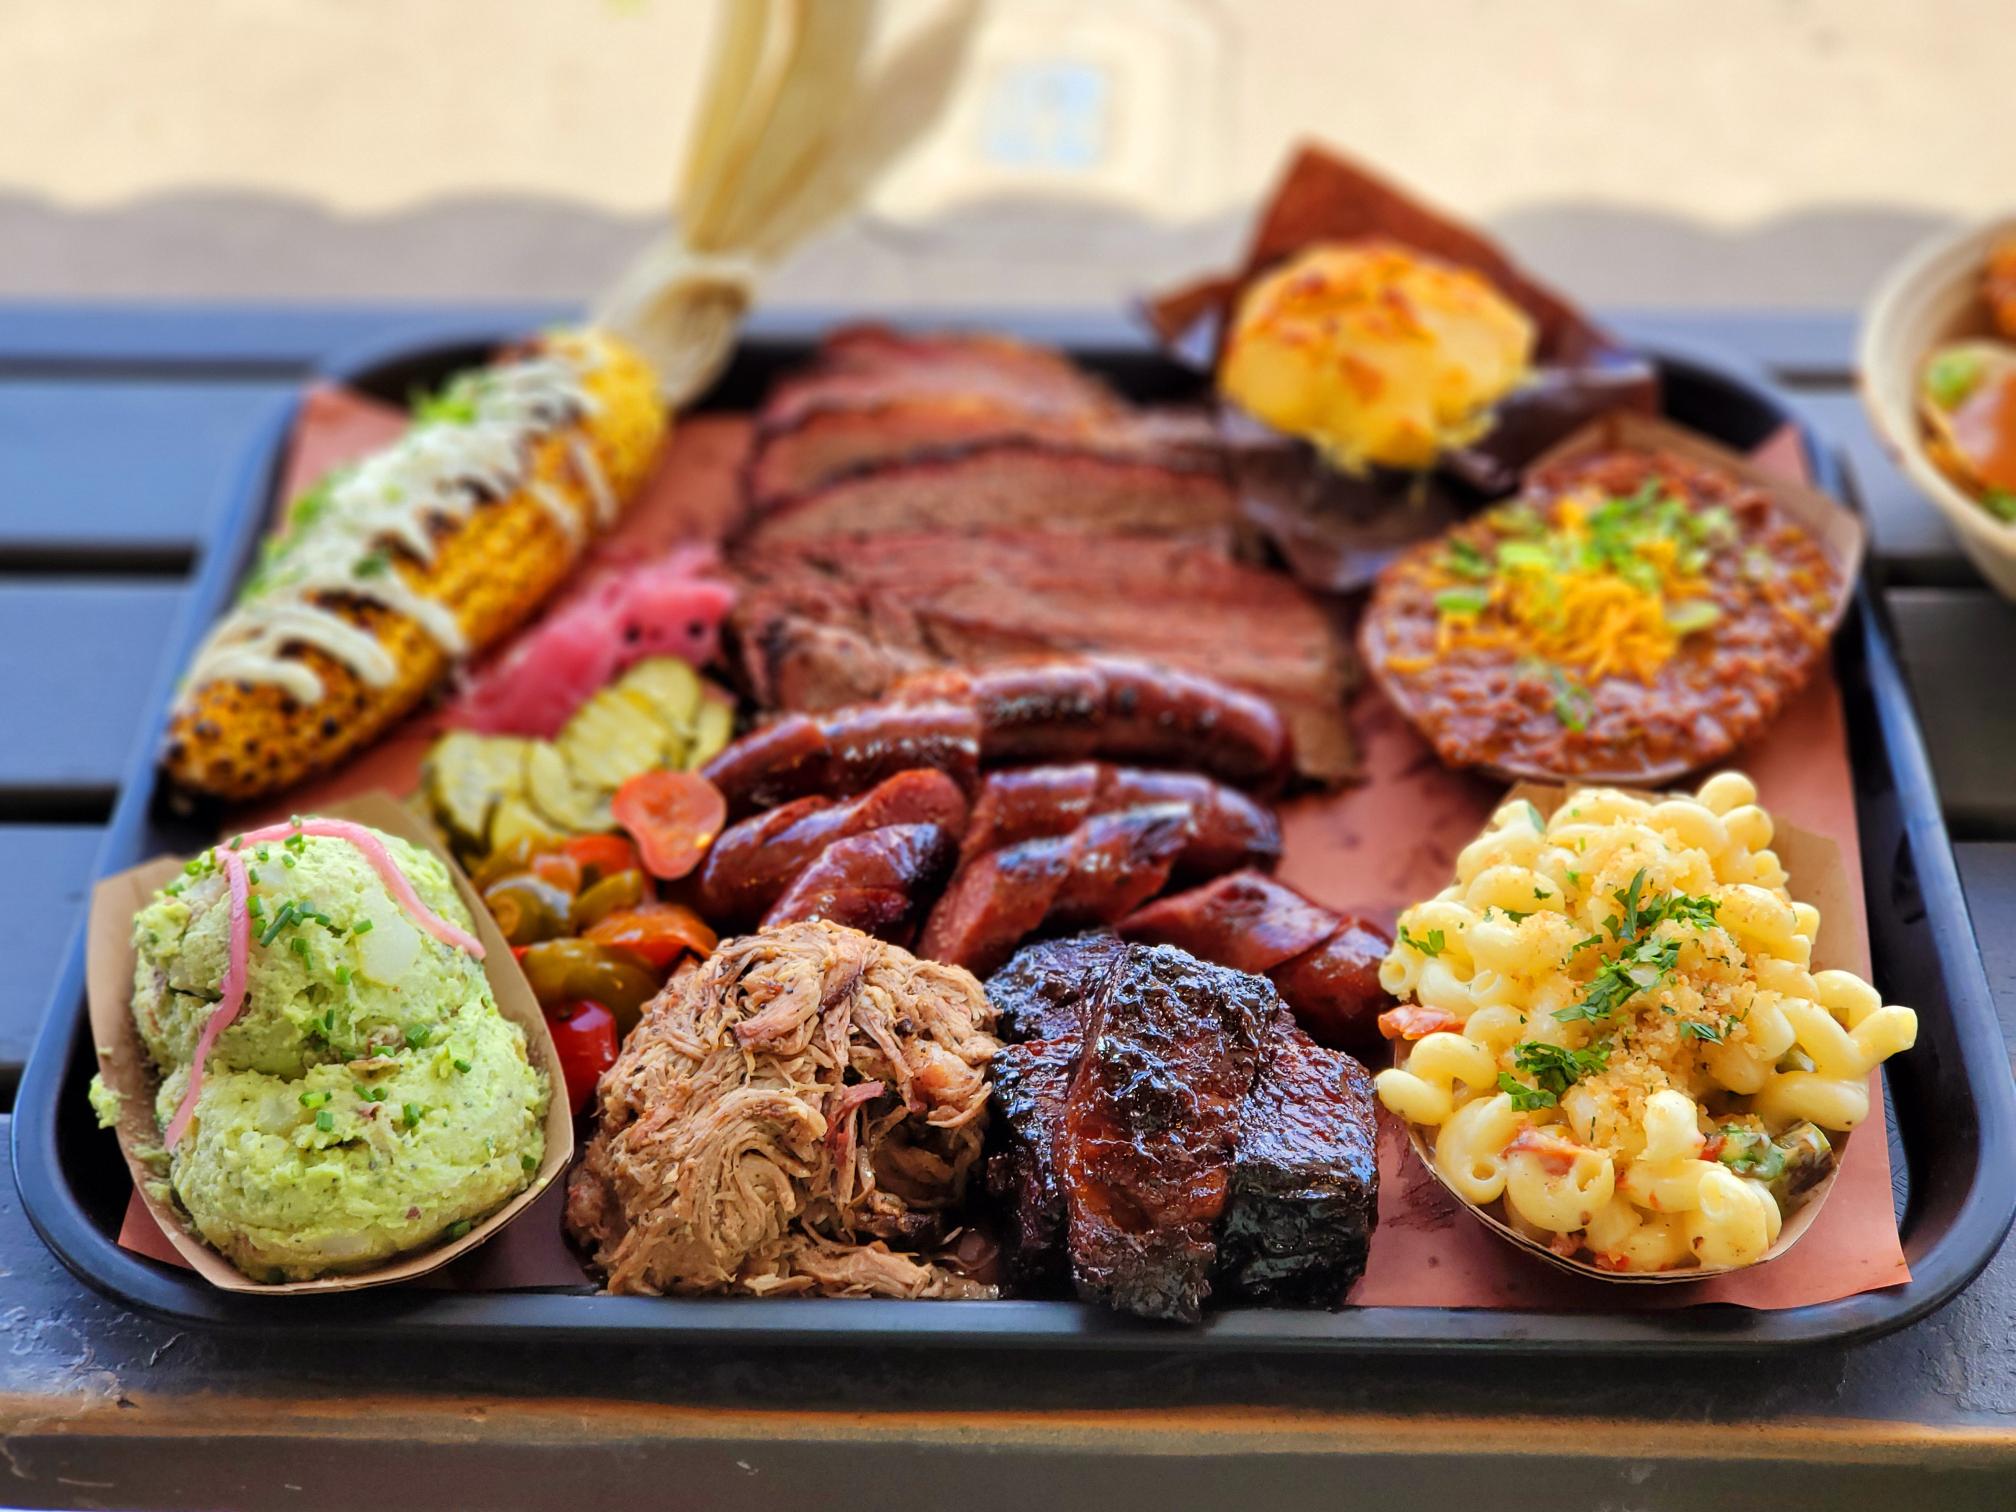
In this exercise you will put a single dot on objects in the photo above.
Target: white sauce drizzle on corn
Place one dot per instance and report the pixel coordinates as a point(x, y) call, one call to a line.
point(440, 470)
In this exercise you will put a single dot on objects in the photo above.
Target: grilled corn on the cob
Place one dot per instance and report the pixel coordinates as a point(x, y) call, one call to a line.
point(429, 551)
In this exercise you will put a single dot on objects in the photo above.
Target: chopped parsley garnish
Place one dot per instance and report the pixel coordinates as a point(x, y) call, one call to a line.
point(1647, 960)
point(1517, 916)
point(1429, 946)
point(1695, 1029)
point(1554, 1069)
point(1524, 1098)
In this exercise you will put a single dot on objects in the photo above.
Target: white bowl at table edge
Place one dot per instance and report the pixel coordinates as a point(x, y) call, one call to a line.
point(1920, 303)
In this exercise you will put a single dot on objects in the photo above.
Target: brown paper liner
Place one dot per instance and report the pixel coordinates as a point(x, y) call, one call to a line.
point(1837, 530)
point(128, 1070)
point(1841, 944)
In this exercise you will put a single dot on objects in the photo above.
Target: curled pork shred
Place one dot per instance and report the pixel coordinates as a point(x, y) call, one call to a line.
point(800, 1114)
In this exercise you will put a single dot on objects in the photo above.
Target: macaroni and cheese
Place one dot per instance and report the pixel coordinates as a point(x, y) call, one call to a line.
point(1617, 1029)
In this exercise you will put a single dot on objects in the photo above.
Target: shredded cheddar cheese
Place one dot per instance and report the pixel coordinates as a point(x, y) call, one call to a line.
point(1610, 588)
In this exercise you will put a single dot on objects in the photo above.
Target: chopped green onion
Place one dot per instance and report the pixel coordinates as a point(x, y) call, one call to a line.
point(1687, 618)
point(1461, 601)
point(325, 1121)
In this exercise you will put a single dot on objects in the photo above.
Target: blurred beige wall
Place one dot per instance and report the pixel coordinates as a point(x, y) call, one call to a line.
point(1651, 151)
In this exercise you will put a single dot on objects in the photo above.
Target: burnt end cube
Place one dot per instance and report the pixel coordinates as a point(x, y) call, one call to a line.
point(1304, 1192)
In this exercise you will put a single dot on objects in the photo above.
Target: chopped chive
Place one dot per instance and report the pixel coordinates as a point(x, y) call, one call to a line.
point(417, 1036)
point(342, 976)
point(280, 921)
point(314, 1099)
point(461, 1064)
point(325, 1121)
point(288, 862)
point(459, 1227)
point(411, 1115)
point(362, 926)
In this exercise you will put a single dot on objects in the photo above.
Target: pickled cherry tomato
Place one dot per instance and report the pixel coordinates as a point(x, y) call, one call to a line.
point(673, 817)
point(584, 1033)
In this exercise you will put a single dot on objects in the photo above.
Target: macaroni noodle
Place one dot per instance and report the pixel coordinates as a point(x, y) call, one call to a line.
point(1646, 1064)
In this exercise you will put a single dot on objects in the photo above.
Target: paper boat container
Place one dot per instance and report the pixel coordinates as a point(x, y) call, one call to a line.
point(1813, 864)
point(1837, 529)
point(127, 1069)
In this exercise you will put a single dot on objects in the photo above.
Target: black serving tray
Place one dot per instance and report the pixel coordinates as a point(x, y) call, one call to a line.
point(1953, 1109)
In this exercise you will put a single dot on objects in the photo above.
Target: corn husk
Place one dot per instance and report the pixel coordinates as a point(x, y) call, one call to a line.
point(1815, 862)
point(799, 118)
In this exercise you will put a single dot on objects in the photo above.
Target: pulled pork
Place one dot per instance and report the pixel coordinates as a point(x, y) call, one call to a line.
point(798, 1115)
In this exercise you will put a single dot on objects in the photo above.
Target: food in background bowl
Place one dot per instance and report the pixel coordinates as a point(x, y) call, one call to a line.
point(1937, 363)
point(1633, 613)
point(1967, 395)
point(1611, 1026)
point(1375, 353)
point(337, 1084)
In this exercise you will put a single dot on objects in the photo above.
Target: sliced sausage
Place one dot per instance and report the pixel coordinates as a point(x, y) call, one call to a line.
point(1118, 862)
point(1334, 989)
point(784, 759)
point(995, 902)
point(1246, 921)
point(750, 865)
point(1228, 829)
point(1158, 715)
point(870, 743)
point(877, 881)
point(1324, 964)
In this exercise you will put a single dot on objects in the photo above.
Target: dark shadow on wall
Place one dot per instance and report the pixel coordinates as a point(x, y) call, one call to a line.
point(257, 246)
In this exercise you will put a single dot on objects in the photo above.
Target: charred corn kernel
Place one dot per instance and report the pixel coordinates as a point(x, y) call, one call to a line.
point(430, 551)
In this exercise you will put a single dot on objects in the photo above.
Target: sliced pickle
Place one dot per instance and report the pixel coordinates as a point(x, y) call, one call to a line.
point(550, 784)
point(516, 819)
point(466, 776)
point(713, 726)
point(613, 737)
point(671, 687)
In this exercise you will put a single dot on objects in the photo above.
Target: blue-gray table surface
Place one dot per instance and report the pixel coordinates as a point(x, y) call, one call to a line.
point(119, 430)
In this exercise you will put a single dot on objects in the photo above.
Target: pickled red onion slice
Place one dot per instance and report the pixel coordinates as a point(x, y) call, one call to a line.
point(233, 1000)
point(374, 851)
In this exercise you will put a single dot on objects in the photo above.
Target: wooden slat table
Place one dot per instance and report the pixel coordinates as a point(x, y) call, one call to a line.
point(115, 441)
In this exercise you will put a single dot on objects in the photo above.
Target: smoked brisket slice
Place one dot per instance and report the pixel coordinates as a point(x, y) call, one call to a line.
point(821, 623)
point(1009, 484)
